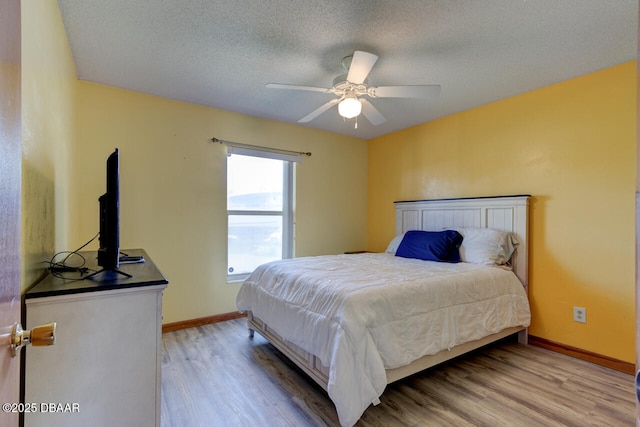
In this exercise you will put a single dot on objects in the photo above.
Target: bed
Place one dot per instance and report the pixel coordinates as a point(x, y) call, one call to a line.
point(357, 322)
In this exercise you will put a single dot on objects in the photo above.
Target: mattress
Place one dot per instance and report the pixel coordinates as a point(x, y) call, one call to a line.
point(364, 313)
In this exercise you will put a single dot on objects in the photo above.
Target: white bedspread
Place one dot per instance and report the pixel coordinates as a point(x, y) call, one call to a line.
point(361, 314)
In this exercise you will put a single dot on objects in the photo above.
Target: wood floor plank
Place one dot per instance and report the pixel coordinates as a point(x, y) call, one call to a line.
point(214, 375)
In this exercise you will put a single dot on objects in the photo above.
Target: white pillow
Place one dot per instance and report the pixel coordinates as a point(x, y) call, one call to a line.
point(393, 245)
point(486, 246)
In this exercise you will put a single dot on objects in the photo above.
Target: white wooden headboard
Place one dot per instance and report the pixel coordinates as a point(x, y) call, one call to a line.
point(506, 213)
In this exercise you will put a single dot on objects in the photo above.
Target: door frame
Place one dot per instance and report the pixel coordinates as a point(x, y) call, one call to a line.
point(10, 203)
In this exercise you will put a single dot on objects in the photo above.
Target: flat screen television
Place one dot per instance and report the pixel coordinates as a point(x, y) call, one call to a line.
point(109, 251)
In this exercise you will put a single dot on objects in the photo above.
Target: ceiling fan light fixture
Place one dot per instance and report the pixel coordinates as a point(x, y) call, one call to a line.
point(349, 107)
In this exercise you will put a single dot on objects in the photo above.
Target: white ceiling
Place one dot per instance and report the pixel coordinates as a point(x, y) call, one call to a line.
point(221, 53)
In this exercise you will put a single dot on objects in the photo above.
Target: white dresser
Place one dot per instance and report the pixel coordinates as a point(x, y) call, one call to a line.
point(105, 366)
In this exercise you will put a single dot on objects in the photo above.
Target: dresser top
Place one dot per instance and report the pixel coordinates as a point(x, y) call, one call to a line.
point(142, 274)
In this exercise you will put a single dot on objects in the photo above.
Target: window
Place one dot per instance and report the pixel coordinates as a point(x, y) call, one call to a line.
point(259, 210)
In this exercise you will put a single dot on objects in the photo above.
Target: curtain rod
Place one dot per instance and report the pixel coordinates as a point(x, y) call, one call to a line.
point(275, 150)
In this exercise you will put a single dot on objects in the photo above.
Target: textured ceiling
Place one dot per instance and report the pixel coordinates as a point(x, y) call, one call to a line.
point(221, 53)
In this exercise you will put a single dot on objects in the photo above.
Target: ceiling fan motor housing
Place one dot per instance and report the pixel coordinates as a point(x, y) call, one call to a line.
point(342, 87)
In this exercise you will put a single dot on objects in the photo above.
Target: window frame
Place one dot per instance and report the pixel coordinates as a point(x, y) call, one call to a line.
point(287, 204)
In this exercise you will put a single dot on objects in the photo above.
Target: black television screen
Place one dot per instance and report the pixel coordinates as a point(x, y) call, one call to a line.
point(109, 252)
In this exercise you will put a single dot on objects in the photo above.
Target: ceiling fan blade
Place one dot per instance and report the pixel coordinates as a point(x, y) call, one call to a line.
point(371, 113)
point(423, 91)
point(296, 87)
point(315, 113)
point(361, 65)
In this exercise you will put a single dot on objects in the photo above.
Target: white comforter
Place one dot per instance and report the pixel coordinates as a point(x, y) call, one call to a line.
point(361, 314)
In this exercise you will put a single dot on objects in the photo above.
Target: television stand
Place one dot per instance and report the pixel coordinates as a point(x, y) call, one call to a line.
point(108, 351)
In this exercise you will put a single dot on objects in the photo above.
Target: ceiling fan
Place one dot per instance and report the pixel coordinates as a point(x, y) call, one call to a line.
point(351, 90)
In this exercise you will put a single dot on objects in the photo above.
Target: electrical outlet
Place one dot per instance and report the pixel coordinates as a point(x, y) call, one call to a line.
point(580, 314)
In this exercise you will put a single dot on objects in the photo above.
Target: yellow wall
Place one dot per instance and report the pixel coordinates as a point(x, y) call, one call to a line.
point(173, 187)
point(48, 96)
point(570, 145)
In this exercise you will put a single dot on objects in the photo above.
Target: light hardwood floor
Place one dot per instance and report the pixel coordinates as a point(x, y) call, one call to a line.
point(214, 375)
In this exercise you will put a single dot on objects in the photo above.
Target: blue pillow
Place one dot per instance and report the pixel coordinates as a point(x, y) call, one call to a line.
point(442, 246)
